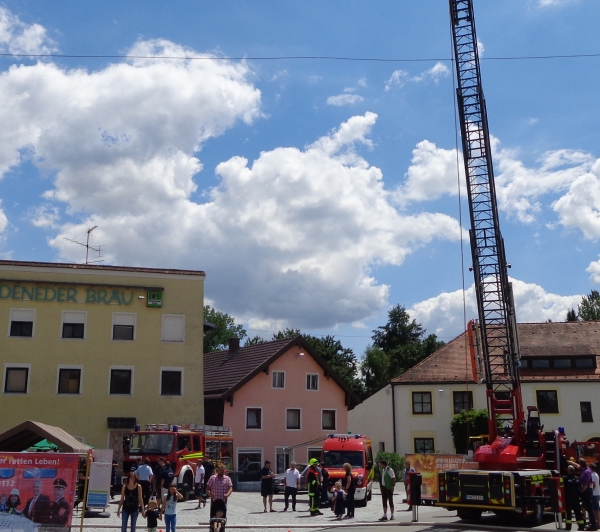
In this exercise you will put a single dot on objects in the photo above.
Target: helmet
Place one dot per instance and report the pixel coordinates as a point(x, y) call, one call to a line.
point(313, 461)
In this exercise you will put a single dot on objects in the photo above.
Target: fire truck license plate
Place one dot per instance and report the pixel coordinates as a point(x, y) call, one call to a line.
point(474, 497)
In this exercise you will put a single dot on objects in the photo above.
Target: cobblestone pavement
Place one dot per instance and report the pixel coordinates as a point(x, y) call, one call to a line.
point(245, 510)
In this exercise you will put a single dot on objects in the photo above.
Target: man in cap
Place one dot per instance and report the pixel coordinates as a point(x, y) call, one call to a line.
point(59, 508)
point(314, 487)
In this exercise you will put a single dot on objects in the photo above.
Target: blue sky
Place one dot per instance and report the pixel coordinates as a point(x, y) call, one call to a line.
point(315, 193)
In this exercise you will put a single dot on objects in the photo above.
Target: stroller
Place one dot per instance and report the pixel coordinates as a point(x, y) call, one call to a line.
point(218, 515)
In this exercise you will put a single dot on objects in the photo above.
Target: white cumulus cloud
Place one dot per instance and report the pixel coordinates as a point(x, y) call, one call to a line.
point(289, 238)
point(344, 99)
point(443, 314)
point(17, 37)
point(399, 78)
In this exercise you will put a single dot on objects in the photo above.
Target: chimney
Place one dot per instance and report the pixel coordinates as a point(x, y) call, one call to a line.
point(234, 345)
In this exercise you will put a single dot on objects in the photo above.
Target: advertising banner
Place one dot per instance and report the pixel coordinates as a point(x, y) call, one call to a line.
point(429, 464)
point(37, 490)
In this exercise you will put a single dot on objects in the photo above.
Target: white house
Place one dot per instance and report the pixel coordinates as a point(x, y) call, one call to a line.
point(559, 374)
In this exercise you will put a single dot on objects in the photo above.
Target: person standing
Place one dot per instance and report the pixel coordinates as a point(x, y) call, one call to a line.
point(144, 475)
point(209, 469)
point(587, 493)
point(168, 477)
point(338, 500)
point(407, 469)
point(169, 507)
point(218, 488)
point(291, 481)
point(596, 494)
point(324, 486)
point(266, 486)
point(131, 501)
point(349, 485)
point(199, 483)
point(388, 482)
point(314, 489)
point(157, 478)
point(572, 491)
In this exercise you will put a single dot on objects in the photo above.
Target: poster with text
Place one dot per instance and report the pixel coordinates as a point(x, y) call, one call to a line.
point(429, 464)
point(37, 490)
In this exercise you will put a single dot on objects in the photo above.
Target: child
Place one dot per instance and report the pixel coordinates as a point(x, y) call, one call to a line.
point(153, 515)
point(218, 515)
point(338, 500)
point(169, 505)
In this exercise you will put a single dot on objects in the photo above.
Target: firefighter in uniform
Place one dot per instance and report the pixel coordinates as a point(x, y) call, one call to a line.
point(59, 508)
point(572, 492)
point(314, 487)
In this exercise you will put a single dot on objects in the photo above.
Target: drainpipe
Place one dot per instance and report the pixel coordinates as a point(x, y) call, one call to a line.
point(394, 415)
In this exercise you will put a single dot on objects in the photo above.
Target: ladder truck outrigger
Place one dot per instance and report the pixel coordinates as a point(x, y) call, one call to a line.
point(519, 470)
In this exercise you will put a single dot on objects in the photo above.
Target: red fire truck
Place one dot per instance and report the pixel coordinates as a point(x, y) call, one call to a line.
point(182, 445)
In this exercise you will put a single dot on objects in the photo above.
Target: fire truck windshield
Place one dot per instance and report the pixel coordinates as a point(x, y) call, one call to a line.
point(339, 458)
point(151, 443)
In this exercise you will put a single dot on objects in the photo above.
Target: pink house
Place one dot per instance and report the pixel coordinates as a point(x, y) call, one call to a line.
point(280, 400)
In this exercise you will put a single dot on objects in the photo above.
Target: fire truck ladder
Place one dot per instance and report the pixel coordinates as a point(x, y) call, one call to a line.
point(499, 342)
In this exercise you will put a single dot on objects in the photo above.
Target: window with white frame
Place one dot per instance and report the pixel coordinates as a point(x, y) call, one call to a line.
point(171, 381)
point(173, 328)
point(254, 418)
point(69, 381)
point(22, 322)
point(121, 380)
point(16, 378)
point(73, 324)
point(292, 419)
point(328, 420)
point(278, 379)
point(312, 381)
point(123, 326)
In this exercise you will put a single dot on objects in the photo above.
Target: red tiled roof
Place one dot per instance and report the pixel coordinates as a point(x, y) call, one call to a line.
point(452, 362)
point(225, 373)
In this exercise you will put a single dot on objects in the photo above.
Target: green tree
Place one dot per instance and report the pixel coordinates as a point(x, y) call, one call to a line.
point(395, 461)
point(572, 315)
point(472, 423)
point(255, 340)
point(225, 328)
point(589, 310)
point(397, 346)
point(374, 368)
point(341, 359)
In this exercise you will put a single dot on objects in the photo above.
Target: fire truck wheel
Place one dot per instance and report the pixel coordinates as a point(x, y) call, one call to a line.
point(468, 514)
point(186, 486)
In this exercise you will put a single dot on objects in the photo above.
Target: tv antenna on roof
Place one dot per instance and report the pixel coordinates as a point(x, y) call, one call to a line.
point(97, 249)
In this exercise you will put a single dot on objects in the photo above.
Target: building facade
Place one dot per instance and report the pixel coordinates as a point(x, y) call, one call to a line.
point(280, 400)
point(559, 372)
point(96, 349)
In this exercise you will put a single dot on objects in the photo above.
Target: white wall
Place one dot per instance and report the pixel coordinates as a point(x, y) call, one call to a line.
point(373, 418)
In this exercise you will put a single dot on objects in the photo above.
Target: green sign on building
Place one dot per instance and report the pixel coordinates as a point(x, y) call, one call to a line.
point(155, 299)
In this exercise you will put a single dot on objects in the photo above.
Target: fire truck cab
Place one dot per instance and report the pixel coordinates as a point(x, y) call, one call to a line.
point(354, 449)
point(182, 445)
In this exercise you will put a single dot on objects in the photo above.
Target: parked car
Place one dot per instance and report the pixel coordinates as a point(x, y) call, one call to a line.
point(249, 472)
point(279, 483)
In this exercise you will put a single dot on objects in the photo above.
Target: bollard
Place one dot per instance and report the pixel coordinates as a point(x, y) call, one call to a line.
point(413, 495)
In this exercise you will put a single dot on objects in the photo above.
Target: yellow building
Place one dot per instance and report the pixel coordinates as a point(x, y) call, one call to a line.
point(96, 349)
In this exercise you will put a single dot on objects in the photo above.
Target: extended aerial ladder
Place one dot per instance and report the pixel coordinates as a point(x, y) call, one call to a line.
point(496, 333)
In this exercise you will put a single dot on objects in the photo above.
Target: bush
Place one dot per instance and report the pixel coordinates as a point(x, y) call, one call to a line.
point(395, 461)
point(475, 420)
